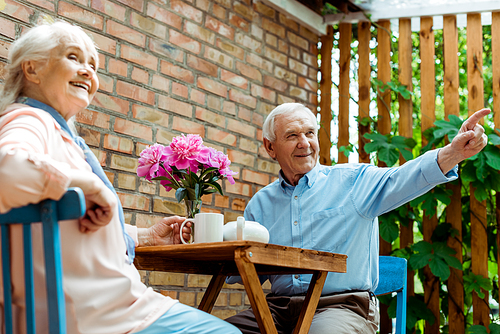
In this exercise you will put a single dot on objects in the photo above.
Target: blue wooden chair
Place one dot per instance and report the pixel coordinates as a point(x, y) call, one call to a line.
point(49, 212)
point(392, 278)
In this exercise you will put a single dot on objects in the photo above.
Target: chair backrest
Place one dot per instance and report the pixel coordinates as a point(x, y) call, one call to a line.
point(392, 278)
point(49, 212)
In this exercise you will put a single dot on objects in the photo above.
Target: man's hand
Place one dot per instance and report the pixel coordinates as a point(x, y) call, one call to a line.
point(469, 141)
point(165, 232)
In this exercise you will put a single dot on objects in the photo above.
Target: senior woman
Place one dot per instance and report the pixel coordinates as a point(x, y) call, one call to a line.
point(51, 76)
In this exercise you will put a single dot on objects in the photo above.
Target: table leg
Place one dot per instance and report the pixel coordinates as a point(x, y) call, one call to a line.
point(255, 294)
point(310, 302)
point(212, 292)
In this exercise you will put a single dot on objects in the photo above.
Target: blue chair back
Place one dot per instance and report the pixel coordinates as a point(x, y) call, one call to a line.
point(49, 212)
point(392, 278)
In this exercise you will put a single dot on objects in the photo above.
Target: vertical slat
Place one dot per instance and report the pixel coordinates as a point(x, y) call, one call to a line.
point(495, 48)
point(456, 317)
point(479, 246)
point(427, 79)
point(384, 127)
point(7, 293)
point(325, 87)
point(364, 82)
point(345, 30)
point(29, 284)
point(53, 266)
point(406, 120)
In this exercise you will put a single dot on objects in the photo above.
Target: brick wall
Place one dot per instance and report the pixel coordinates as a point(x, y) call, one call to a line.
point(215, 68)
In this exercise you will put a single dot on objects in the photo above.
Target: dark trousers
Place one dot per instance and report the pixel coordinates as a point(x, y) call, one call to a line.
point(347, 313)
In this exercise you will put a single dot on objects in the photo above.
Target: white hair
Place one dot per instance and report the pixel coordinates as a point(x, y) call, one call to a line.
point(37, 45)
point(268, 130)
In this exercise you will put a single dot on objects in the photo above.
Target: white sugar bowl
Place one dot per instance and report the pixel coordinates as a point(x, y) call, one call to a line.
point(245, 230)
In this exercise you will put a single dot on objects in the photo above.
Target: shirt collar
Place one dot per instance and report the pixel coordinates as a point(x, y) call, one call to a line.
point(309, 178)
point(40, 105)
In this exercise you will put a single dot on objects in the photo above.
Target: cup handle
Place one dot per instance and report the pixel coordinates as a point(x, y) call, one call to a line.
point(182, 225)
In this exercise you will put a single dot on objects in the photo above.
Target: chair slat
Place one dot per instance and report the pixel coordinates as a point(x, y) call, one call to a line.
point(7, 294)
point(29, 285)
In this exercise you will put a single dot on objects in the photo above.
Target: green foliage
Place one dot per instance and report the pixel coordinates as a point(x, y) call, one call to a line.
point(437, 256)
point(389, 147)
point(478, 329)
point(473, 282)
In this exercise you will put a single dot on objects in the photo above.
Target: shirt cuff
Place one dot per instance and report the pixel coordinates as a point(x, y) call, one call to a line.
point(132, 231)
point(431, 170)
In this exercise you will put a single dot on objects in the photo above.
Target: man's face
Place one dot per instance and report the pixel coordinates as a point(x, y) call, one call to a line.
point(296, 147)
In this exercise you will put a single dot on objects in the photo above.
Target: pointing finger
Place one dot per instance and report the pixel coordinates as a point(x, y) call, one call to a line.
point(475, 118)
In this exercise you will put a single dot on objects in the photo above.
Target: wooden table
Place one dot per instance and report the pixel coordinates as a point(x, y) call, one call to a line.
point(247, 259)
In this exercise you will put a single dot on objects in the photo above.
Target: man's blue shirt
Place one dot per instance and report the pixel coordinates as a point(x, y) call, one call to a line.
point(335, 209)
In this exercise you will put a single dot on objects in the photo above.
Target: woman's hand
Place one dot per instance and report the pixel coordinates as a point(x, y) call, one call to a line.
point(165, 232)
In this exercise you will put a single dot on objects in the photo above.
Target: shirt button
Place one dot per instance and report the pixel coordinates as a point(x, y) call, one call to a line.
point(296, 276)
point(296, 197)
point(295, 222)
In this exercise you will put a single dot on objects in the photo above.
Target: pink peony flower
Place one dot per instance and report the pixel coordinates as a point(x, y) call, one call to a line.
point(187, 152)
point(221, 161)
point(149, 161)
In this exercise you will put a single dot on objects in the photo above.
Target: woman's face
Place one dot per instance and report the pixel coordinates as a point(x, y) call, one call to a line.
point(68, 81)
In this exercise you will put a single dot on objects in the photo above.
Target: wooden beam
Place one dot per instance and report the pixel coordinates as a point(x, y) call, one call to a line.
point(364, 82)
point(345, 30)
point(325, 104)
point(495, 46)
point(479, 248)
point(456, 316)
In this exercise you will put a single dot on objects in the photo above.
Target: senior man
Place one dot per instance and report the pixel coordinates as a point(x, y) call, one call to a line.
point(335, 209)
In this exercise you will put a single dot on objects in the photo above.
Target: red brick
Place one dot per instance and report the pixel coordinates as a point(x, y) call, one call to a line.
point(120, 144)
point(233, 79)
point(160, 83)
point(272, 40)
point(245, 114)
point(104, 43)
point(214, 102)
point(44, 4)
point(255, 177)
point(212, 86)
point(225, 3)
point(81, 15)
point(81, 2)
point(91, 137)
point(230, 48)
point(219, 12)
point(283, 46)
point(178, 107)
point(177, 72)
point(313, 73)
point(135, 92)
point(240, 97)
point(239, 22)
point(297, 40)
point(259, 62)
point(273, 27)
point(249, 71)
point(184, 41)
point(248, 42)
point(105, 82)
point(133, 129)
point(135, 202)
point(165, 16)
point(296, 66)
point(282, 73)
point(185, 126)
point(238, 188)
point(241, 128)
point(238, 204)
point(94, 118)
point(257, 31)
point(210, 117)
point(148, 25)
point(202, 65)
point(263, 9)
point(219, 27)
point(274, 83)
point(203, 4)
point(7, 28)
point(266, 94)
point(310, 59)
point(135, 4)
point(165, 49)
point(298, 93)
point(197, 96)
point(179, 90)
point(109, 8)
point(186, 10)
point(150, 115)
point(17, 10)
point(229, 107)
point(117, 67)
point(304, 32)
point(140, 75)
point(244, 11)
point(294, 52)
point(289, 23)
point(308, 84)
point(219, 57)
point(137, 56)
point(276, 56)
point(221, 136)
point(111, 103)
point(257, 119)
point(101, 157)
point(313, 99)
point(285, 99)
point(125, 33)
point(221, 201)
point(199, 32)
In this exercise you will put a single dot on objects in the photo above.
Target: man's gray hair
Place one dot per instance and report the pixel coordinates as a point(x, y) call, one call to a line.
point(37, 45)
point(268, 130)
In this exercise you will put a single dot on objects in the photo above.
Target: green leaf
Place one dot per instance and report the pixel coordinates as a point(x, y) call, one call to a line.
point(197, 194)
point(480, 164)
point(417, 310)
point(216, 186)
point(449, 128)
point(389, 155)
point(378, 141)
point(492, 155)
point(437, 255)
point(422, 257)
point(180, 194)
point(389, 230)
point(480, 193)
point(494, 328)
point(494, 139)
point(477, 329)
point(473, 282)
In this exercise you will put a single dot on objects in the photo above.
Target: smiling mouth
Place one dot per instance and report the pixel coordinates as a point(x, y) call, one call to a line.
point(82, 85)
point(303, 155)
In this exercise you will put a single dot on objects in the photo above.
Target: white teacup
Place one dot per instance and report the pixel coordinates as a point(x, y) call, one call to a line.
point(207, 227)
